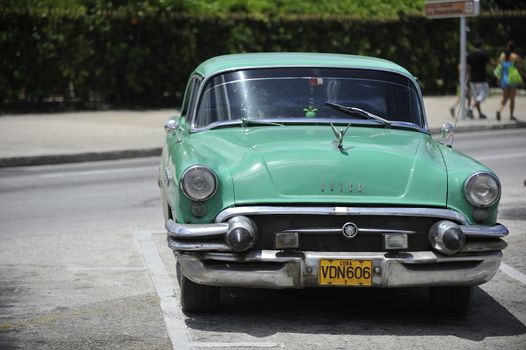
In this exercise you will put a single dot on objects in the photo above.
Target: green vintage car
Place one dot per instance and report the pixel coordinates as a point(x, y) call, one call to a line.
point(293, 170)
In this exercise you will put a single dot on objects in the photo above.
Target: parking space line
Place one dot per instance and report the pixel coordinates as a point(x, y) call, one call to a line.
point(237, 345)
point(513, 273)
point(173, 316)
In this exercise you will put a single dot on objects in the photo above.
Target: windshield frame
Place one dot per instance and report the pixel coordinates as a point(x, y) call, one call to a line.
point(319, 121)
point(299, 121)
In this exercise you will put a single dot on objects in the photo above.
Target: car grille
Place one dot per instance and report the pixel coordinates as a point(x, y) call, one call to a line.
point(324, 232)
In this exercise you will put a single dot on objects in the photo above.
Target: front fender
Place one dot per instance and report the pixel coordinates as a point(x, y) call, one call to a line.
point(176, 158)
point(460, 167)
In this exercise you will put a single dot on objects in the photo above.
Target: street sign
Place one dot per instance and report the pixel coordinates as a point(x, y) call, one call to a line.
point(456, 9)
point(452, 9)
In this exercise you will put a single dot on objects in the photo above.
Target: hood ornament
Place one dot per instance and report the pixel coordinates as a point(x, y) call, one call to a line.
point(339, 136)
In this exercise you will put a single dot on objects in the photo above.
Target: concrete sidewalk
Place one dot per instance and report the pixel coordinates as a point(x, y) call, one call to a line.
point(33, 139)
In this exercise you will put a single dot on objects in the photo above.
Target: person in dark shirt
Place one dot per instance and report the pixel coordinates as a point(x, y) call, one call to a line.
point(477, 61)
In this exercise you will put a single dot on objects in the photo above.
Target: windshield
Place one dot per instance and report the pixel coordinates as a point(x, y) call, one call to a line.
point(284, 93)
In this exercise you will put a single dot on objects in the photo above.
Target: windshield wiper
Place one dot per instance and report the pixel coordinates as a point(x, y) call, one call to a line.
point(358, 112)
point(246, 122)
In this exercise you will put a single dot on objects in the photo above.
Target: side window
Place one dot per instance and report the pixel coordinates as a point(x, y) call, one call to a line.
point(187, 93)
point(193, 95)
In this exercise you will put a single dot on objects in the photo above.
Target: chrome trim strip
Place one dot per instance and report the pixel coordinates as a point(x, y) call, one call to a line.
point(342, 211)
point(339, 230)
point(497, 231)
point(485, 246)
point(190, 231)
point(312, 230)
point(380, 230)
point(320, 121)
point(198, 246)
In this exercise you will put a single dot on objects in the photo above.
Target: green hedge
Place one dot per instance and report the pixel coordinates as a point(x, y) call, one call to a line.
point(128, 60)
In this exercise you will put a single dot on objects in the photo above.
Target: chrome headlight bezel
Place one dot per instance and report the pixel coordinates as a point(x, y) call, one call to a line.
point(194, 171)
point(471, 181)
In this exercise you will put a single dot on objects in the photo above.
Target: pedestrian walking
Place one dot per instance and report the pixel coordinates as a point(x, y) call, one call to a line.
point(477, 61)
point(508, 78)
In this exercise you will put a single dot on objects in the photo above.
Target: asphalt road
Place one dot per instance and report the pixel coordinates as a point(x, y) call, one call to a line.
point(84, 264)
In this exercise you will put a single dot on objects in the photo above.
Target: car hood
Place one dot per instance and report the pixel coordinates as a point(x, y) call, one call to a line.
point(302, 165)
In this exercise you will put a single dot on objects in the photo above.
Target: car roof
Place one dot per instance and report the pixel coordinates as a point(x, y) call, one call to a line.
point(224, 63)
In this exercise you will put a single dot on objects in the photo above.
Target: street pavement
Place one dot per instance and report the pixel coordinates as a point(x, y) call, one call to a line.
point(84, 264)
point(32, 139)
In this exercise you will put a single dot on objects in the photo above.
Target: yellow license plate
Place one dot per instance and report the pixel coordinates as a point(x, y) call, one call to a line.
point(345, 272)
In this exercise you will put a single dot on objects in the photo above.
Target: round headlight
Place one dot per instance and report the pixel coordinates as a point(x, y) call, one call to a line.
point(198, 183)
point(482, 189)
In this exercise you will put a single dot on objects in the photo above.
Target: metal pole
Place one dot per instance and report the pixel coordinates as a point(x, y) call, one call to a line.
point(462, 78)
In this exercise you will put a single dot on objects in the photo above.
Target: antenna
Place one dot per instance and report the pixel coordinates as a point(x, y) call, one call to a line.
point(461, 107)
point(462, 99)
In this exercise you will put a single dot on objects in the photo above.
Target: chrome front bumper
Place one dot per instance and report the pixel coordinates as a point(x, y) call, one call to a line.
point(272, 269)
point(205, 258)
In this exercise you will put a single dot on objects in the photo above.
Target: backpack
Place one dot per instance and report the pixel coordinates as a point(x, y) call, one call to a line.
point(514, 76)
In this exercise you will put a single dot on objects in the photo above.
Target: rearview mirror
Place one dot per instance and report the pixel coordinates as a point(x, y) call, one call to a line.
point(171, 126)
point(446, 132)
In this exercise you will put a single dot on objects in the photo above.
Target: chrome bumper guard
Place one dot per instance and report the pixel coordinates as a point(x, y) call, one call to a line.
point(196, 237)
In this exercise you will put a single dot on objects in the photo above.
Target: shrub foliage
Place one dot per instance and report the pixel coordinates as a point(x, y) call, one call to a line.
point(143, 58)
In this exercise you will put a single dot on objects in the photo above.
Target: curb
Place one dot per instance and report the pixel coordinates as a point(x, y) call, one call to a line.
point(154, 152)
point(78, 157)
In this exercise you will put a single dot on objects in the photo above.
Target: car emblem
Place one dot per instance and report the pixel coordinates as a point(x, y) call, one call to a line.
point(349, 230)
point(340, 187)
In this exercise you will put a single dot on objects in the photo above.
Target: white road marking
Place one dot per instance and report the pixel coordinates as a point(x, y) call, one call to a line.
point(98, 172)
point(173, 316)
point(501, 156)
point(513, 273)
point(236, 345)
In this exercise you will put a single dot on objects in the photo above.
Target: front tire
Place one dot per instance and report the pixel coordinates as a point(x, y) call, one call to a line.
point(450, 301)
point(197, 297)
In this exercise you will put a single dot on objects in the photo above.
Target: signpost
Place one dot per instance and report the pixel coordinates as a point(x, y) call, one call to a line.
point(454, 9)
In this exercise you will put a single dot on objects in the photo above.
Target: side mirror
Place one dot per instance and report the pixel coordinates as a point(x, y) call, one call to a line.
point(171, 126)
point(446, 133)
